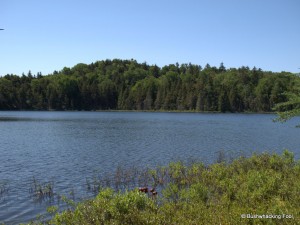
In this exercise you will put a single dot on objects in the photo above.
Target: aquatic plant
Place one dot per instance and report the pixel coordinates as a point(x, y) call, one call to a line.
point(4, 188)
point(41, 191)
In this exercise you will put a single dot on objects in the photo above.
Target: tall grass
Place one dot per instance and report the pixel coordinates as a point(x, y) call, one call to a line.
point(41, 191)
point(4, 188)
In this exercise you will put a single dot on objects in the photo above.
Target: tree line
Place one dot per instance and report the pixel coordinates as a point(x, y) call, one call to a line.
point(129, 85)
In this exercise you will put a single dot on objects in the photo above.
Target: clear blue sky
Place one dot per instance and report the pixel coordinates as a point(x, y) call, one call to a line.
point(48, 35)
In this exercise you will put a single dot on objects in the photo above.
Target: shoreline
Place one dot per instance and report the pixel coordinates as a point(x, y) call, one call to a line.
point(247, 184)
point(139, 111)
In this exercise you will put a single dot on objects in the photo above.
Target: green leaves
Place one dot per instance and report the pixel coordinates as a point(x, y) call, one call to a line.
point(290, 108)
point(129, 85)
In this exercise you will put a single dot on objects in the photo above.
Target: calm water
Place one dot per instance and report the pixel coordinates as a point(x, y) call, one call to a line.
point(68, 147)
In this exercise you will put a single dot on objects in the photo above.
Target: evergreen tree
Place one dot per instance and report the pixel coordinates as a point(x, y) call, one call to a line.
point(127, 84)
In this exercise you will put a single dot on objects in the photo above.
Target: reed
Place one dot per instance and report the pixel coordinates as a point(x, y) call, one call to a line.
point(4, 188)
point(41, 190)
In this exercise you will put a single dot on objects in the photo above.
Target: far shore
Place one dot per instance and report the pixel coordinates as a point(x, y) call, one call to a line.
point(152, 111)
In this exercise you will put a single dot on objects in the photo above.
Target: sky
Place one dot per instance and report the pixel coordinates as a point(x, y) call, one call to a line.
point(43, 36)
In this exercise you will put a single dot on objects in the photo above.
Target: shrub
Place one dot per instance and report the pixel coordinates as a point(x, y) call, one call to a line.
point(264, 184)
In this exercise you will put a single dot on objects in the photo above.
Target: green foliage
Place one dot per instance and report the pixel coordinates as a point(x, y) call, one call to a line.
point(111, 208)
point(290, 108)
point(196, 194)
point(128, 85)
point(52, 209)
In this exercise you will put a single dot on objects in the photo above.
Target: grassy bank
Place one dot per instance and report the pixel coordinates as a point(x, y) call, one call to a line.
point(264, 185)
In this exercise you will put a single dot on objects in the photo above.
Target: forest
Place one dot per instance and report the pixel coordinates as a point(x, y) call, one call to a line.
point(129, 85)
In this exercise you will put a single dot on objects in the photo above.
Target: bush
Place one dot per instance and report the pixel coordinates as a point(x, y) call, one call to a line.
point(264, 184)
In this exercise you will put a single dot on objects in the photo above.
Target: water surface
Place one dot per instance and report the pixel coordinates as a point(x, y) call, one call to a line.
point(68, 147)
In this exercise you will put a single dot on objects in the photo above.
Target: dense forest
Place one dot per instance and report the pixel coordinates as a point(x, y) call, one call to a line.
point(129, 85)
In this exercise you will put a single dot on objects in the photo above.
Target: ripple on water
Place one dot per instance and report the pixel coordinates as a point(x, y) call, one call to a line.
point(67, 147)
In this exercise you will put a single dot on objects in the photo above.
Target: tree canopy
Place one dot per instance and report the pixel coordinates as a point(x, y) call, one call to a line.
point(129, 85)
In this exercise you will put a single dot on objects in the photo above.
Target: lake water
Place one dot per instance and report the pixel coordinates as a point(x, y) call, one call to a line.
point(68, 147)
